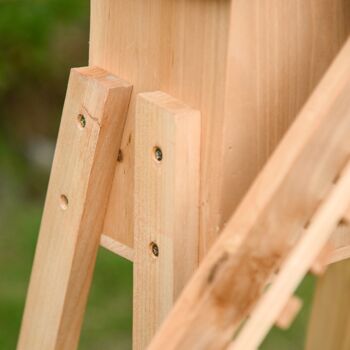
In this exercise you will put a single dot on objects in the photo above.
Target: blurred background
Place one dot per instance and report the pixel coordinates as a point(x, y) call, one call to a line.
point(40, 40)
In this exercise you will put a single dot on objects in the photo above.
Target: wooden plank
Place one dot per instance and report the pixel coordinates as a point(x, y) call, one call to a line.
point(252, 246)
point(329, 328)
point(296, 266)
point(247, 65)
point(167, 161)
point(178, 47)
point(89, 138)
point(320, 264)
point(117, 248)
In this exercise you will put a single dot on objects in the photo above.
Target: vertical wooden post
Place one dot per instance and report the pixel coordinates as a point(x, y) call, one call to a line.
point(167, 153)
point(329, 327)
point(90, 134)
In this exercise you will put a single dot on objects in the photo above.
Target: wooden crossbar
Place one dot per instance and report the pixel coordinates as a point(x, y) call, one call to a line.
point(269, 222)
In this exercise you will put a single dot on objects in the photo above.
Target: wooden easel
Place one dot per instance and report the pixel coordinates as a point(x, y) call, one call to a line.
point(158, 146)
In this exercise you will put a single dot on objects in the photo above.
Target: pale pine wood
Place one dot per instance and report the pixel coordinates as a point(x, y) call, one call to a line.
point(252, 245)
point(329, 324)
point(178, 47)
point(288, 314)
point(247, 65)
point(117, 248)
point(166, 208)
point(297, 264)
point(340, 240)
point(329, 328)
point(83, 169)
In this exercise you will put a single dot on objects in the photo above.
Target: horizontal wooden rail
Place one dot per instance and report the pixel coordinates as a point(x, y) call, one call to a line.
point(116, 247)
point(268, 223)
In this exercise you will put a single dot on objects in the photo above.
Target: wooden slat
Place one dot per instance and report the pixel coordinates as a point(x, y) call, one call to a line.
point(89, 138)
point(296, 266)
point(252, 245)
point(167, 160)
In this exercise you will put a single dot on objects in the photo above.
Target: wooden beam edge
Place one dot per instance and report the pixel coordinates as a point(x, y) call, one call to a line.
point(117, 248)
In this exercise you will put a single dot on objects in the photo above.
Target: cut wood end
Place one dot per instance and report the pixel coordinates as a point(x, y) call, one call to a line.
point(320, 264)
point(289, 313)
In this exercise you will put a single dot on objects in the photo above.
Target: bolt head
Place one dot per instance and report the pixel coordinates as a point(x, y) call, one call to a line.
point(155, 249)
point(158, 154)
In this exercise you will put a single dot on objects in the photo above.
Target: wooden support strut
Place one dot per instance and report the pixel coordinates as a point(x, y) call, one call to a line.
point(89, 138)
point(296, 266)
point(167, 161)
point(252, 246)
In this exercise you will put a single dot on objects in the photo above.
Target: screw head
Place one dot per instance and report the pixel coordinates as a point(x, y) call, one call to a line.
point(158, 154)
point(155, 249)
point(81, 121)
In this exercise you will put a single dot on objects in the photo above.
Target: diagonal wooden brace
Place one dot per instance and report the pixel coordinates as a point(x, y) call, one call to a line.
point(89, 138)
point(296, 266)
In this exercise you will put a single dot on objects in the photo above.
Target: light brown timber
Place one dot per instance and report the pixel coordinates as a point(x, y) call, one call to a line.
point(252, 246)
point(89, 138)
point(247, 65)
point(293, 270)
point(167, 161)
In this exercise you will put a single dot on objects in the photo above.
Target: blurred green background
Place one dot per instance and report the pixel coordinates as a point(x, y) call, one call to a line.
point(39, 41)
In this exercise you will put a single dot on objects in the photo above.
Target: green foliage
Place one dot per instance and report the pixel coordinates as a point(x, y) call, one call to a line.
point(26, 28)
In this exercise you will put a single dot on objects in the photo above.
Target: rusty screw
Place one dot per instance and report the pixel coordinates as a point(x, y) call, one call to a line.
point(158, 154)
point(155, 249)
point(81, 120)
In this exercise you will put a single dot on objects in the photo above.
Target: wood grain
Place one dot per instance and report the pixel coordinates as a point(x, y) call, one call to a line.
point(329, 328)
point(295, 267)
point(247, 65)
point(89, 138)
point(178, 47)
point(252, 246)
point(166, 208)
point(117, 248)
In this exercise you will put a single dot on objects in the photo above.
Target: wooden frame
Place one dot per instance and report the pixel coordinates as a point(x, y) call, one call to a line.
point(234, 274)
point(247, 67)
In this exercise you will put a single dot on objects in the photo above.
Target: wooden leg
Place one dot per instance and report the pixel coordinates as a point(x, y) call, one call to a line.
point(167, 151)
point(89, 138)
point(329, 327)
